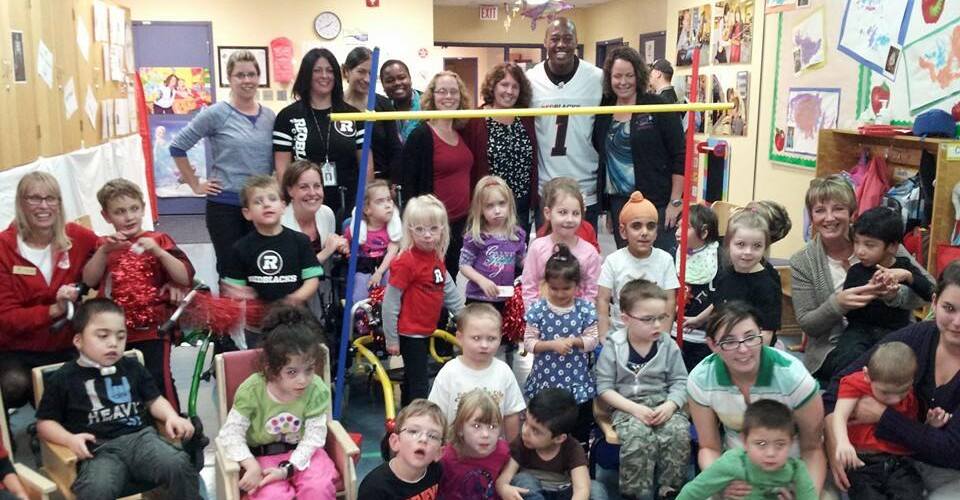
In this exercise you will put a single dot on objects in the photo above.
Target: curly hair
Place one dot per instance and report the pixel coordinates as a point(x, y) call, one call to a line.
point(640, 70)
point(290, 331)
point(498, 73)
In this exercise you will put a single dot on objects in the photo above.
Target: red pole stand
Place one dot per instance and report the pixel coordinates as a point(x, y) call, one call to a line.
point(685, 212)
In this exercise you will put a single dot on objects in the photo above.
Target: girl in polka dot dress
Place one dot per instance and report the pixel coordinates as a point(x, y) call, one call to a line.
point(561, 333)
point(277, 427)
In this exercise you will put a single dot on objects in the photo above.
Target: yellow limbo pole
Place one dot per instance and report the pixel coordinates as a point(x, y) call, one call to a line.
point(460, 114)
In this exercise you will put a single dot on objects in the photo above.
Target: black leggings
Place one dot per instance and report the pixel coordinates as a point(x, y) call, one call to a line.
point(226, 225)
point(415, 352)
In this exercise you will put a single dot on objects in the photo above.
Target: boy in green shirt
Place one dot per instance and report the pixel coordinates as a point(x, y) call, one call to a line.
point(763, 462)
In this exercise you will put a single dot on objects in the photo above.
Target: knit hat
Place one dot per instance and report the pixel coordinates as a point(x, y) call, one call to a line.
point(637, 206)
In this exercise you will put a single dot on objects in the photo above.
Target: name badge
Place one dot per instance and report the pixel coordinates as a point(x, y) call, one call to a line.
point(25, 270)
point(329, 173)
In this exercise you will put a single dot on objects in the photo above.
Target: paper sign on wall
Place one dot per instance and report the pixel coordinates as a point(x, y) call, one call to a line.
point(69, 98)
point(45, 63)
point(122, 116)
point(83, 39)
point(106, 119)
point(116, 62)
point(118, 30)
point(101, 28)
point(106, 63)
point(90, 106)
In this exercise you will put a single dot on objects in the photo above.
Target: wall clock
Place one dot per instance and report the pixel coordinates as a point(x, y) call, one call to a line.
point(327, 25)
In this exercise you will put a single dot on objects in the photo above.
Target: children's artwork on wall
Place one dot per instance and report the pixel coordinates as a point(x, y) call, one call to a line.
point(732, 32)
point(728, 86)
point(166, 177)
point(874, 29)
point(699, 116)
point(810, 110)
point(780, 6)
point(176, 91)
point(693, 30)
point(932, 67)
point(809, 42)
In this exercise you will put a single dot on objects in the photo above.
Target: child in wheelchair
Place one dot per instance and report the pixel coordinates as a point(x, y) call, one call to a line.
point(277, 426)
point(101, 407)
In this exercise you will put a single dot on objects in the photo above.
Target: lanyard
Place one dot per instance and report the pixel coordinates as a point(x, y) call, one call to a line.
point(326, 143)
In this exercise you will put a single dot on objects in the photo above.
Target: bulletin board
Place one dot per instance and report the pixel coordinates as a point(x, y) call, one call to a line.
point(53, 77)
point(889, 94)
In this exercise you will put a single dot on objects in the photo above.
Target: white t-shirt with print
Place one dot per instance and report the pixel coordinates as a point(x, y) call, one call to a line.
point(456, 379)
point(621, 267)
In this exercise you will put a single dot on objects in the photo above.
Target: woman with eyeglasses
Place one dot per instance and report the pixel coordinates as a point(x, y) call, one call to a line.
point(304, 131)
point(238, 132)
point(740, 371)
point(41, 262)
point(436, 159)
point(819, 270)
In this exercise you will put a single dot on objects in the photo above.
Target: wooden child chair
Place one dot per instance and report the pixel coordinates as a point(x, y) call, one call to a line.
point(37, 486)
point(232, 368)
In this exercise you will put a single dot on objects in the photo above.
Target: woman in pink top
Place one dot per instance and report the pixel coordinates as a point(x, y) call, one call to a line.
point(563, 210)
point(436, 159)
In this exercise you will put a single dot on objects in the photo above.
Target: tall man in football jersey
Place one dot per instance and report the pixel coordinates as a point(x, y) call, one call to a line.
point(564, 80)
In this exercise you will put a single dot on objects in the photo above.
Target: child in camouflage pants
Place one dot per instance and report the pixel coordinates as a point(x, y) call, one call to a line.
point(641, 375)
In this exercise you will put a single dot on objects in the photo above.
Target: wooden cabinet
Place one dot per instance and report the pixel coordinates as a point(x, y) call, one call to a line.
point(839, 150)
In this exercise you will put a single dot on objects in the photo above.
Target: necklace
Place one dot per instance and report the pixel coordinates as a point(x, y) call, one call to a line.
point(325, 143)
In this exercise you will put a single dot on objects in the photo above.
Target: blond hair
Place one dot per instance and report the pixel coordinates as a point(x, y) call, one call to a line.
point(48, 183)
point(776, 215)
point(475, 310)
point(475, 220)
point(421, 407)
point(241, 56)
point(427, 101)
point(426, 210)
point(892, 363)
point(747, 219)
point(555, 190)
point(831, 188)
point(118, 188)
point(258, 182)
point(368, 193)
point(476, 400)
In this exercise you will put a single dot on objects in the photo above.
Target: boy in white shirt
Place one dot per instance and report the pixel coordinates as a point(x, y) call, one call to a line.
point(639, 259)
point(478, 331)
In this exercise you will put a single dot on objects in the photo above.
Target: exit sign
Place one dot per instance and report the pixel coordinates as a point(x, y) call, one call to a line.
point(488, 12)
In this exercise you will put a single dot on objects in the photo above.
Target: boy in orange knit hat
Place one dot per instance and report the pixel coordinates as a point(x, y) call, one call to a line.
point(639, 259)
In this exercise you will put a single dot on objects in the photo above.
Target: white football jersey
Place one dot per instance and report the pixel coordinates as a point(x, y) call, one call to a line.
point(563, 142)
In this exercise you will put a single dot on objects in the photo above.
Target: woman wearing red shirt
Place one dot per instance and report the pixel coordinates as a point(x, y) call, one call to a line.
point(436, 159)
point(41, 261)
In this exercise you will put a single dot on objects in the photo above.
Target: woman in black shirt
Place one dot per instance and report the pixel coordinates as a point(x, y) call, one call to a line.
point(303, 130)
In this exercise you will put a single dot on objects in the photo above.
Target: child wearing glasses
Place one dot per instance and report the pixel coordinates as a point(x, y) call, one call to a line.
point(476, 454)
point(641, 376)
point(639, 259)
point(414, 471)
point(419, 287)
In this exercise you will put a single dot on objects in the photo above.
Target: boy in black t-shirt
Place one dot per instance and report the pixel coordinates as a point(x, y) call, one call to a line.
point(413, 472)
point(876, 238)
point(272, 262)
point(101, 407)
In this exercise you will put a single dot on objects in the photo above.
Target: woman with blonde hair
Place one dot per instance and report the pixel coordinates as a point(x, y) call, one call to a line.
point(820, 268)
point(238, 131)
point(436, 159)
point(41, 262)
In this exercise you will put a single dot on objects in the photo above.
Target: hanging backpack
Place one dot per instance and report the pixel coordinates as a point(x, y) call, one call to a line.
point(906, 199)
point(875, 184)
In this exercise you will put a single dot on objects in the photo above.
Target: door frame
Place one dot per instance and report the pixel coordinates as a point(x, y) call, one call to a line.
point(602, 44)
point(476, 70)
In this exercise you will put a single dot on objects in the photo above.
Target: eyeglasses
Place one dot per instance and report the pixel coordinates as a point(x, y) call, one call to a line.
point(733, 345)
point(252, 75)
point(446, 91)
point(419, 434)
point(422, 230)
point(36, 200)
point(650, 320)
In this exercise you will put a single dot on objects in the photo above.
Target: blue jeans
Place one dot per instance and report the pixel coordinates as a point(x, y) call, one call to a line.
point(536, 492)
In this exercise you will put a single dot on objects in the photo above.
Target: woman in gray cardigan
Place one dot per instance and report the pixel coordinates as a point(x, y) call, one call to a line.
point(819, 270)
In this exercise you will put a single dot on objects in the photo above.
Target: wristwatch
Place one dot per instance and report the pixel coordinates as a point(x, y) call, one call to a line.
point(676, 203)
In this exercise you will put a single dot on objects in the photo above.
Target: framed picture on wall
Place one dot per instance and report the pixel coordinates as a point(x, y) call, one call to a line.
point(261, 55)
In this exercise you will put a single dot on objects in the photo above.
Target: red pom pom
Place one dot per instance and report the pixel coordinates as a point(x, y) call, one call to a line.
point(221, 315)
point(513, 311)
point(376, 295)
point(133, 285)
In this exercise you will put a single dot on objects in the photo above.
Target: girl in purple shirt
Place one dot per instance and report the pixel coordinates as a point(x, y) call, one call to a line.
point(494, 246)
